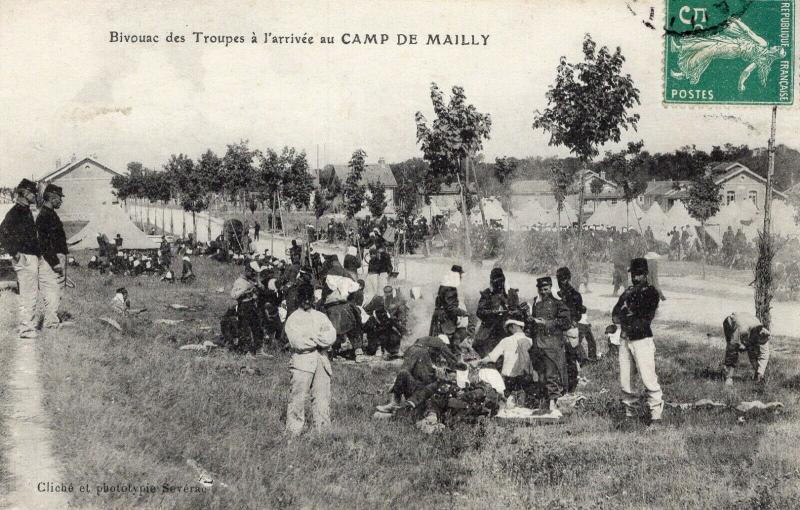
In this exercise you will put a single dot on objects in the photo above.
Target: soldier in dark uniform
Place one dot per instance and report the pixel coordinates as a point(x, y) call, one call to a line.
point(551, 319)
point(493, 309)
point(18, 238)
point(447, 307)
point(633, 313)
point(387, 323)
point(574, 301)
point(53, 261)
point(295, 252)
point(166, 253)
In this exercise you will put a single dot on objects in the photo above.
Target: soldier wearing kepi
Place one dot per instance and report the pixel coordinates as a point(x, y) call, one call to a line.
point(633, 313)
point(311, 334)
point(494, 307)
point(53, 261)
point(19, 238)
point(743, 330)
point(574, 301)
point(551, 319)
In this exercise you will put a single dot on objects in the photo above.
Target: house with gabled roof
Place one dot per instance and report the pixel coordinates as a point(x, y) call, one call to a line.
point(86, 184)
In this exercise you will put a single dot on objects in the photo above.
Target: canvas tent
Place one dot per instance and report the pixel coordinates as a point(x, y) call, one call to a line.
point(600, 216)
point(678, 216)
point(526, 214)
point(111, 220)
point(656, 219)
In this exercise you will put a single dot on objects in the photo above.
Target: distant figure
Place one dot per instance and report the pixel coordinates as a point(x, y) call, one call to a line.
point(118, 241)
point(256, 230)
point(122, 304)
point(187, 275)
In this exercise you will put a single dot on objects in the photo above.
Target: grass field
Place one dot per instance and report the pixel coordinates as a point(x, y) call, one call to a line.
point(129, 408)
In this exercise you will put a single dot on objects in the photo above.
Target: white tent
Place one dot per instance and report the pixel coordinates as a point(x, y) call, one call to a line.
point(678, 216)
point(748, 210)
point(492, 209)
point(600, 215)
point(621, 215)
point(527, 214)
point(111, 220)
point(783, 216)
point(656, 219)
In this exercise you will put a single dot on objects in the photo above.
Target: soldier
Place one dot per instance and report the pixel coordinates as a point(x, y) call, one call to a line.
point(18, 237)
point(245, 292)
point(551, 319)
point(166, 252)
point(633, 313)
point(387, 323)
point(448, 308)
point(744, 331)
point(187, 274)
point(574, 301)
point(493, 309)
point(517, 368)
point(310, 334)
point(53, 261)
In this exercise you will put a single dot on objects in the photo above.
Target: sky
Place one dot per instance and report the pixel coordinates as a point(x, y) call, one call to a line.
point(66, 89)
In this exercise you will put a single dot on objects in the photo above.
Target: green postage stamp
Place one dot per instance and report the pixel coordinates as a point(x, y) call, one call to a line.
point(729, 52)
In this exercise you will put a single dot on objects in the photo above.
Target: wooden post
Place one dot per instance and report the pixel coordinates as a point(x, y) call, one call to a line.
point(465, 219)
point(770, 171)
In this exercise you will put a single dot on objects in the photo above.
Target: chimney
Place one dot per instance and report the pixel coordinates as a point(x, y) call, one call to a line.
point(381, 161)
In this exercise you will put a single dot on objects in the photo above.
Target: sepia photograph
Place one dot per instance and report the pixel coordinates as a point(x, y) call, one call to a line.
point(415, 254)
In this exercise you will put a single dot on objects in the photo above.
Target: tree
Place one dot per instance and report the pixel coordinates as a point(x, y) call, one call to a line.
point(238, 171)
point(452, 140)
point(354, 192)
point(190, 183)
point(628, 169)
point(413, 188)
point(320, 206)
point(211, 176)
point(376, 201)
point(588, 105)
point(504, 169)
point(296, 181)
point(596, 187)
point(702, 203)
point(561, 180)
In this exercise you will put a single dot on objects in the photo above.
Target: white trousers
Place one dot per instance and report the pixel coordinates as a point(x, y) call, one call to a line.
point(642, 353)
point(27, 269)
point(49, 293)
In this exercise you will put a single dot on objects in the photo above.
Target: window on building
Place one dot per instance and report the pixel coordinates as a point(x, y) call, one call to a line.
point(613, 201)
point(753, 195)
point(731, 197)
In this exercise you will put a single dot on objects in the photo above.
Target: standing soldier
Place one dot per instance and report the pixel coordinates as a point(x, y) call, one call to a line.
point(574, 301)
point(448, 308)
point(387, 323)
point(245, 292)
point(310, 334)
point(53, 261)
point(18, 237)
point(551, 319)
point(633, 313)
point(166, 253)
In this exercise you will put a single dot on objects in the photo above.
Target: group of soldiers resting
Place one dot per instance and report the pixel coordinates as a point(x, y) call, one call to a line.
point(113, 259)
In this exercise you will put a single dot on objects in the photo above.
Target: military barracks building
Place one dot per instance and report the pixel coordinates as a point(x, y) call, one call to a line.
point(86, 184)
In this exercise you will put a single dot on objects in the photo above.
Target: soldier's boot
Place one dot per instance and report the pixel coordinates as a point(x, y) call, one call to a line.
point(393, 405)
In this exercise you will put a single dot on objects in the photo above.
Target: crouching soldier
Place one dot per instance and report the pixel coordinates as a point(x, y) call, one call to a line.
point(423, 364)
point(517, 370)
point(387, 323)
point(744, 332)
point(187, 274)
point(310, 334)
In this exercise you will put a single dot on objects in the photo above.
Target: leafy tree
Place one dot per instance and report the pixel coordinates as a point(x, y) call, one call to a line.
point(504, 169)
point(320, 206)
point(211, 175)
point(190, 183)
point(703, 202)
point(413, 188)
point(237, 170)
point(628, 168)
point(450, 143)
point(296, 181)
point(596, 187)
point(354, 192)
point(376, 200)
point(588, 105)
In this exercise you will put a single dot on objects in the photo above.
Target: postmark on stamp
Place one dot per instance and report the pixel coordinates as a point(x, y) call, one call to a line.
point(729, 52)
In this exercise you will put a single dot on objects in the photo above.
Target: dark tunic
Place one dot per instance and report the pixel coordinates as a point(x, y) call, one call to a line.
point(18, 232)
point(52, 238)
point(635, 311)
point(493, 308)
point(446, 310)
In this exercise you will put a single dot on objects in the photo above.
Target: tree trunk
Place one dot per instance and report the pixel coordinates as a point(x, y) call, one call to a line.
point(627, 215)
point(703, 245)
point(208, 228)
point(171, 221)
point(763, 270)
point(465, 219)
point(183, 224)
point(478, 189)
point(559, 206)
point(194, 226)
point(163, 213)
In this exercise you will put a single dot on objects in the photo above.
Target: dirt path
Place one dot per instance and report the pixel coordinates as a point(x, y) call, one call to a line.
point(31, 462)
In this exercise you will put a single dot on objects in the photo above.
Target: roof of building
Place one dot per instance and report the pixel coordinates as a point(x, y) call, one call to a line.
point(69, 167)
point(733, 169)
point(378, 172)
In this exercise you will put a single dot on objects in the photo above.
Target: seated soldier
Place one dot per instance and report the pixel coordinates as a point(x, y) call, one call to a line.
point(94, 263)
point(122, 305)
point(516, 370)
point(72, 262)
point(744, 332)
point(168, 277)
point(187, 275)
point(423, 362)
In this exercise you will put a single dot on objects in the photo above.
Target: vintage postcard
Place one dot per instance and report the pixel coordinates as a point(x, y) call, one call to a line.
point(399, 254)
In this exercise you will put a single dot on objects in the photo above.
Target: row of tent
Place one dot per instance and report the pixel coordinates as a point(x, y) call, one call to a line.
point(742, 215)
